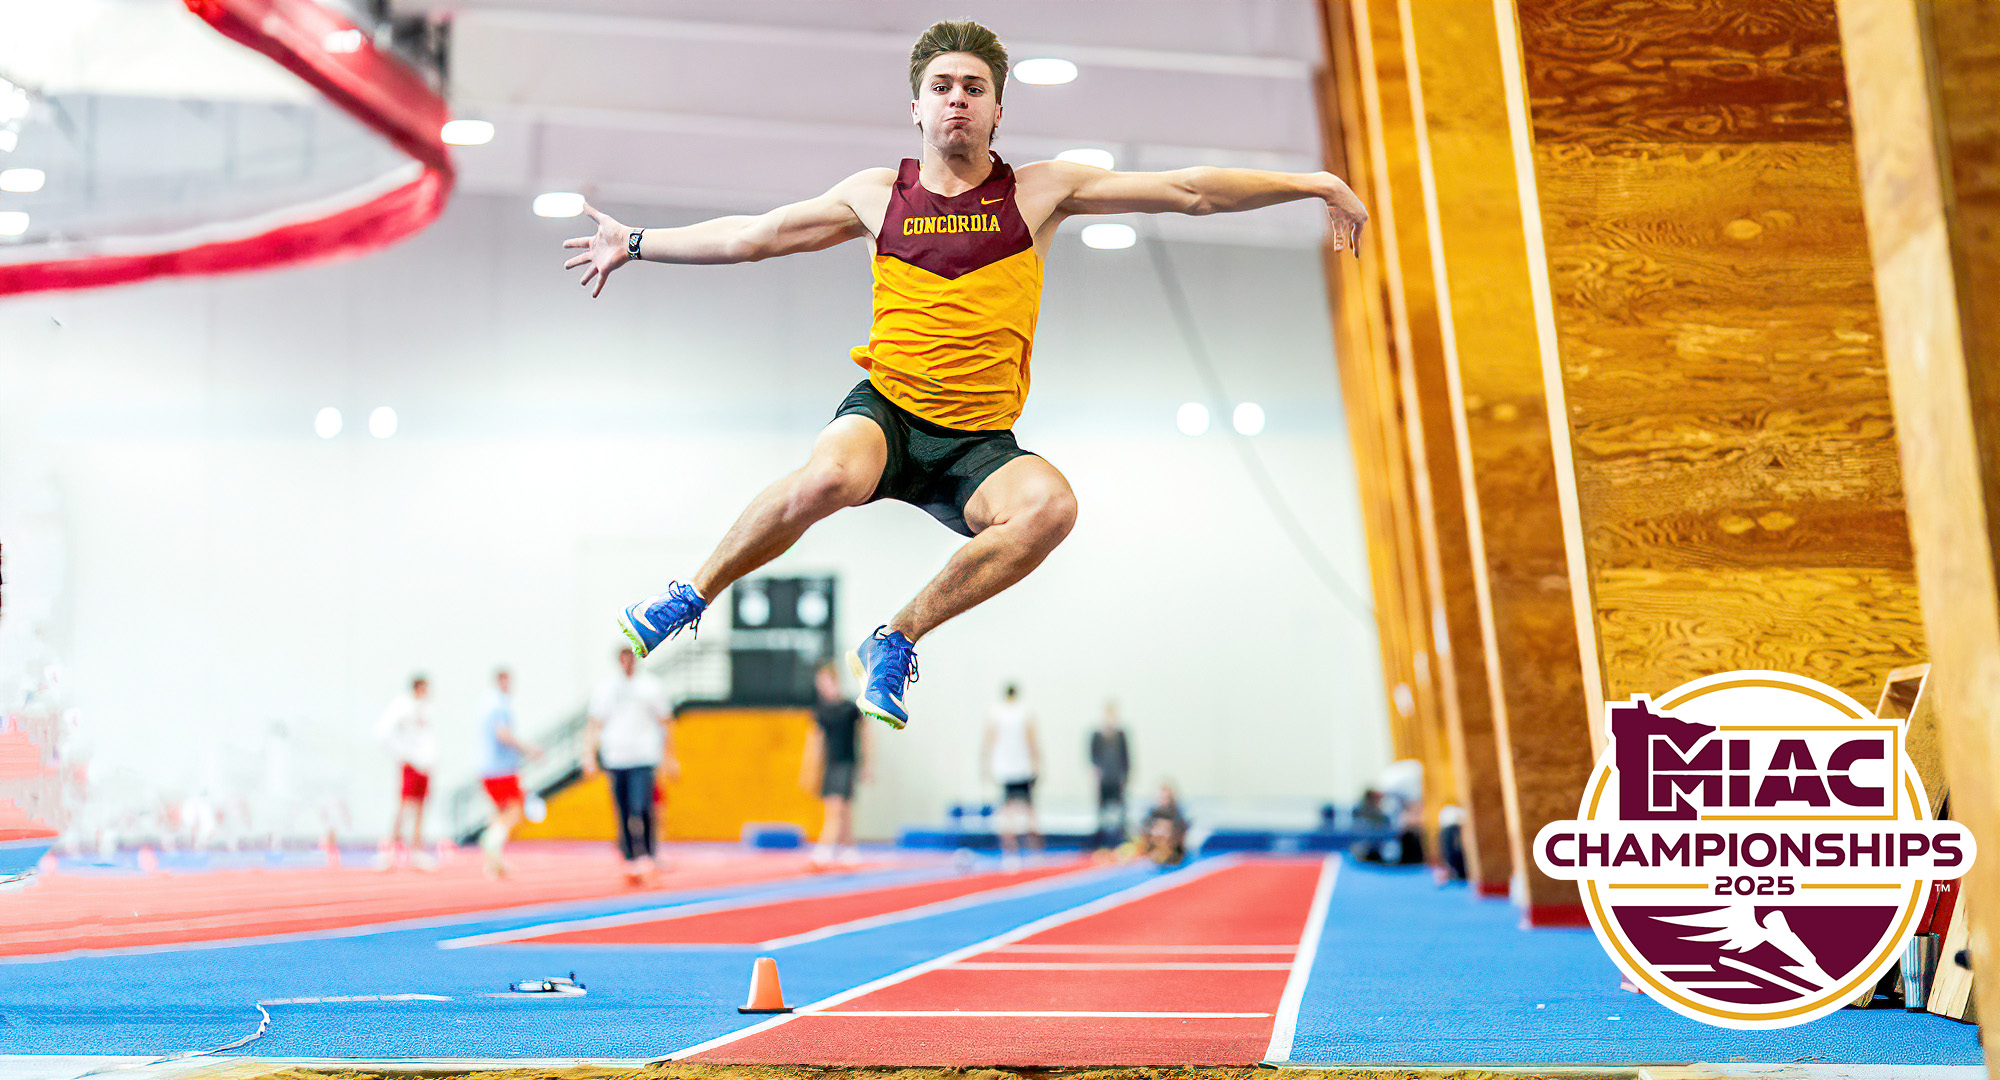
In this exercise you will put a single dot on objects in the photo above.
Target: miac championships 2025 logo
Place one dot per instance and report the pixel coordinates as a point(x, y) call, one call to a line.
point(1753, 848)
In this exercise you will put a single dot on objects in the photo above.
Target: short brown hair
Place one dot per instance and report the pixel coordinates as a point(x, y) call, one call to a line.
point(959, 36)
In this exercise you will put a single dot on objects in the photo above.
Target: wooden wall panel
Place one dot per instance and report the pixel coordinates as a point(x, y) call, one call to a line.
point(1737, 493)
point(1415, 360)
point(1361, 341)
point(1541, 726)
point(1925, 86)
point(1403, 229)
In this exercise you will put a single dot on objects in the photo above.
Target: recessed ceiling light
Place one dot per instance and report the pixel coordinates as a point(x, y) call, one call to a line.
point(1087, 155)
point(9, 139)
point(1109, 236)
point(14, 102)
point(558, 204)
point(327, 423)
point(1248, 418)
point(1044, 71)
point(13, 222)
point(1192, 418)
point(382, 422)
point(22, 181)
point(467, 132)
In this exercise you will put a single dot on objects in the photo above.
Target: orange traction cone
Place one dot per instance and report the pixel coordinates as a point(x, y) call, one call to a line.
point(765, 994)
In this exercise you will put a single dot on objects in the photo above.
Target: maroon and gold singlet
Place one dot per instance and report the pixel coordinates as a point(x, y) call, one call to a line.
point(958, 284)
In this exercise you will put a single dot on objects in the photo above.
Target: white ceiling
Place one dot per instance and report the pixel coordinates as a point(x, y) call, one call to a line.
point(687, 105)
point(742, 105)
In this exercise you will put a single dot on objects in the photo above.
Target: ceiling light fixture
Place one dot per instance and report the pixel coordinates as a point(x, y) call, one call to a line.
point(1088, 155)
point(1192, 419)
point(467, 132)
point(13, 222)
point(327, 423)
point(382, 422)
point(22, 181)
point(558, 204)
point(14, 102)
point(1109, 236)
point(1044, 71)
point(1248, 419)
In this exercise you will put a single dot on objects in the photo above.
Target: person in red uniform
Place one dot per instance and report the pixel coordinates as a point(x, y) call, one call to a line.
point(958, 238)
point(405, 729)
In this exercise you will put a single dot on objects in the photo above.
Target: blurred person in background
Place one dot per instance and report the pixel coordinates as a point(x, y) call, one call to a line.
point(836, 758)
point(627, 735)
point(405, 729)
point(1394, 803)
point(505, 750)
point(1012, 758)
point(1163, 833)
point(1111, 759)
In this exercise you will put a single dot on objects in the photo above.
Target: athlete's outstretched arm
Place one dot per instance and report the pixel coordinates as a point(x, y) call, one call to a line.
point(801, 226)
point(1208, 190)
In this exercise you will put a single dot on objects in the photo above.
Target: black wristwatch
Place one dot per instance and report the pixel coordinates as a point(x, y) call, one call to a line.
point(632, 243)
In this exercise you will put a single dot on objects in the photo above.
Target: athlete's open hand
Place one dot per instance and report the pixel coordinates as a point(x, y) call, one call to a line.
point(1345, 217)
point(607, 249)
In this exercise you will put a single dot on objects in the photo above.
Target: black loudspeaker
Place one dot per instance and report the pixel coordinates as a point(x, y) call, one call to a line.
point(780, 630)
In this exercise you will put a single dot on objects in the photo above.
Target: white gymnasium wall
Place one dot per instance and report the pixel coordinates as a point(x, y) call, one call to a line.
point(204, 568)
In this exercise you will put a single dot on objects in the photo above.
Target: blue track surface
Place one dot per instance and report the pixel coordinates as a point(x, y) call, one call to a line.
point(642, 1002)
point(1410, 973)
point(1406, 973)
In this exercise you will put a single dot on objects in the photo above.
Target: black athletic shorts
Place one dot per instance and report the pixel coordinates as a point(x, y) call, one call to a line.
point(837, 778)
point(1018, 791)
point(931, 467)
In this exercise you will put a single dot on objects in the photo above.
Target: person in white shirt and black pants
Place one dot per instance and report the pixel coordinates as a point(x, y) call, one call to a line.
point(1013, 759)
point(629, 737)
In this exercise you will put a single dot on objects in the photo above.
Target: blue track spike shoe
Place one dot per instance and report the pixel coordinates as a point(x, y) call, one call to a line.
point(657, 618)
point(885, 663)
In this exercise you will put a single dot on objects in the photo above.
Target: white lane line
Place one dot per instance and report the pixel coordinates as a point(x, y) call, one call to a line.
point(1092, 1015)
point(675, 911)
point(359, 997)
point(957, 903)
point(1133, 966)
point(1287, 1024)
point(1144, 889)
point(1192, 950)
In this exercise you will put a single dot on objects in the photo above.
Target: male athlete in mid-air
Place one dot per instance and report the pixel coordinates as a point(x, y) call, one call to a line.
point(958, 239)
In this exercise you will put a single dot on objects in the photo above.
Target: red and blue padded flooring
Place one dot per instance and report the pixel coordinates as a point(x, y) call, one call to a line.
point(909, 960)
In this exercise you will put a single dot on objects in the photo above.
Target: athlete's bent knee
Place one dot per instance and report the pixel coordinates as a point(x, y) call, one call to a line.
point(822, 488)
point(1050, 512)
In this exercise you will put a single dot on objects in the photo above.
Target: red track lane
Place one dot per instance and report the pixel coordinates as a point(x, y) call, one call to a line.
point(1262, 903)
point(66, 912)
point(1163, 955)
point(1079, 991)
point(1257, 903)
point(1025, 1041)
point(785, 918)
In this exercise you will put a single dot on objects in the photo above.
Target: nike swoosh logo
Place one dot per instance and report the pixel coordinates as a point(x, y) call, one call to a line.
point(989, 202)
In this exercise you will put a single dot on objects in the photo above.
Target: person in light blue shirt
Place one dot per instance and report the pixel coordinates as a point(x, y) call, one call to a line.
point(505, 751)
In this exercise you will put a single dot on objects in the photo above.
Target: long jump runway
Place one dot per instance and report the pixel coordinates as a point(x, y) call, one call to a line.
point(1228, 961)
point(1188, 969)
